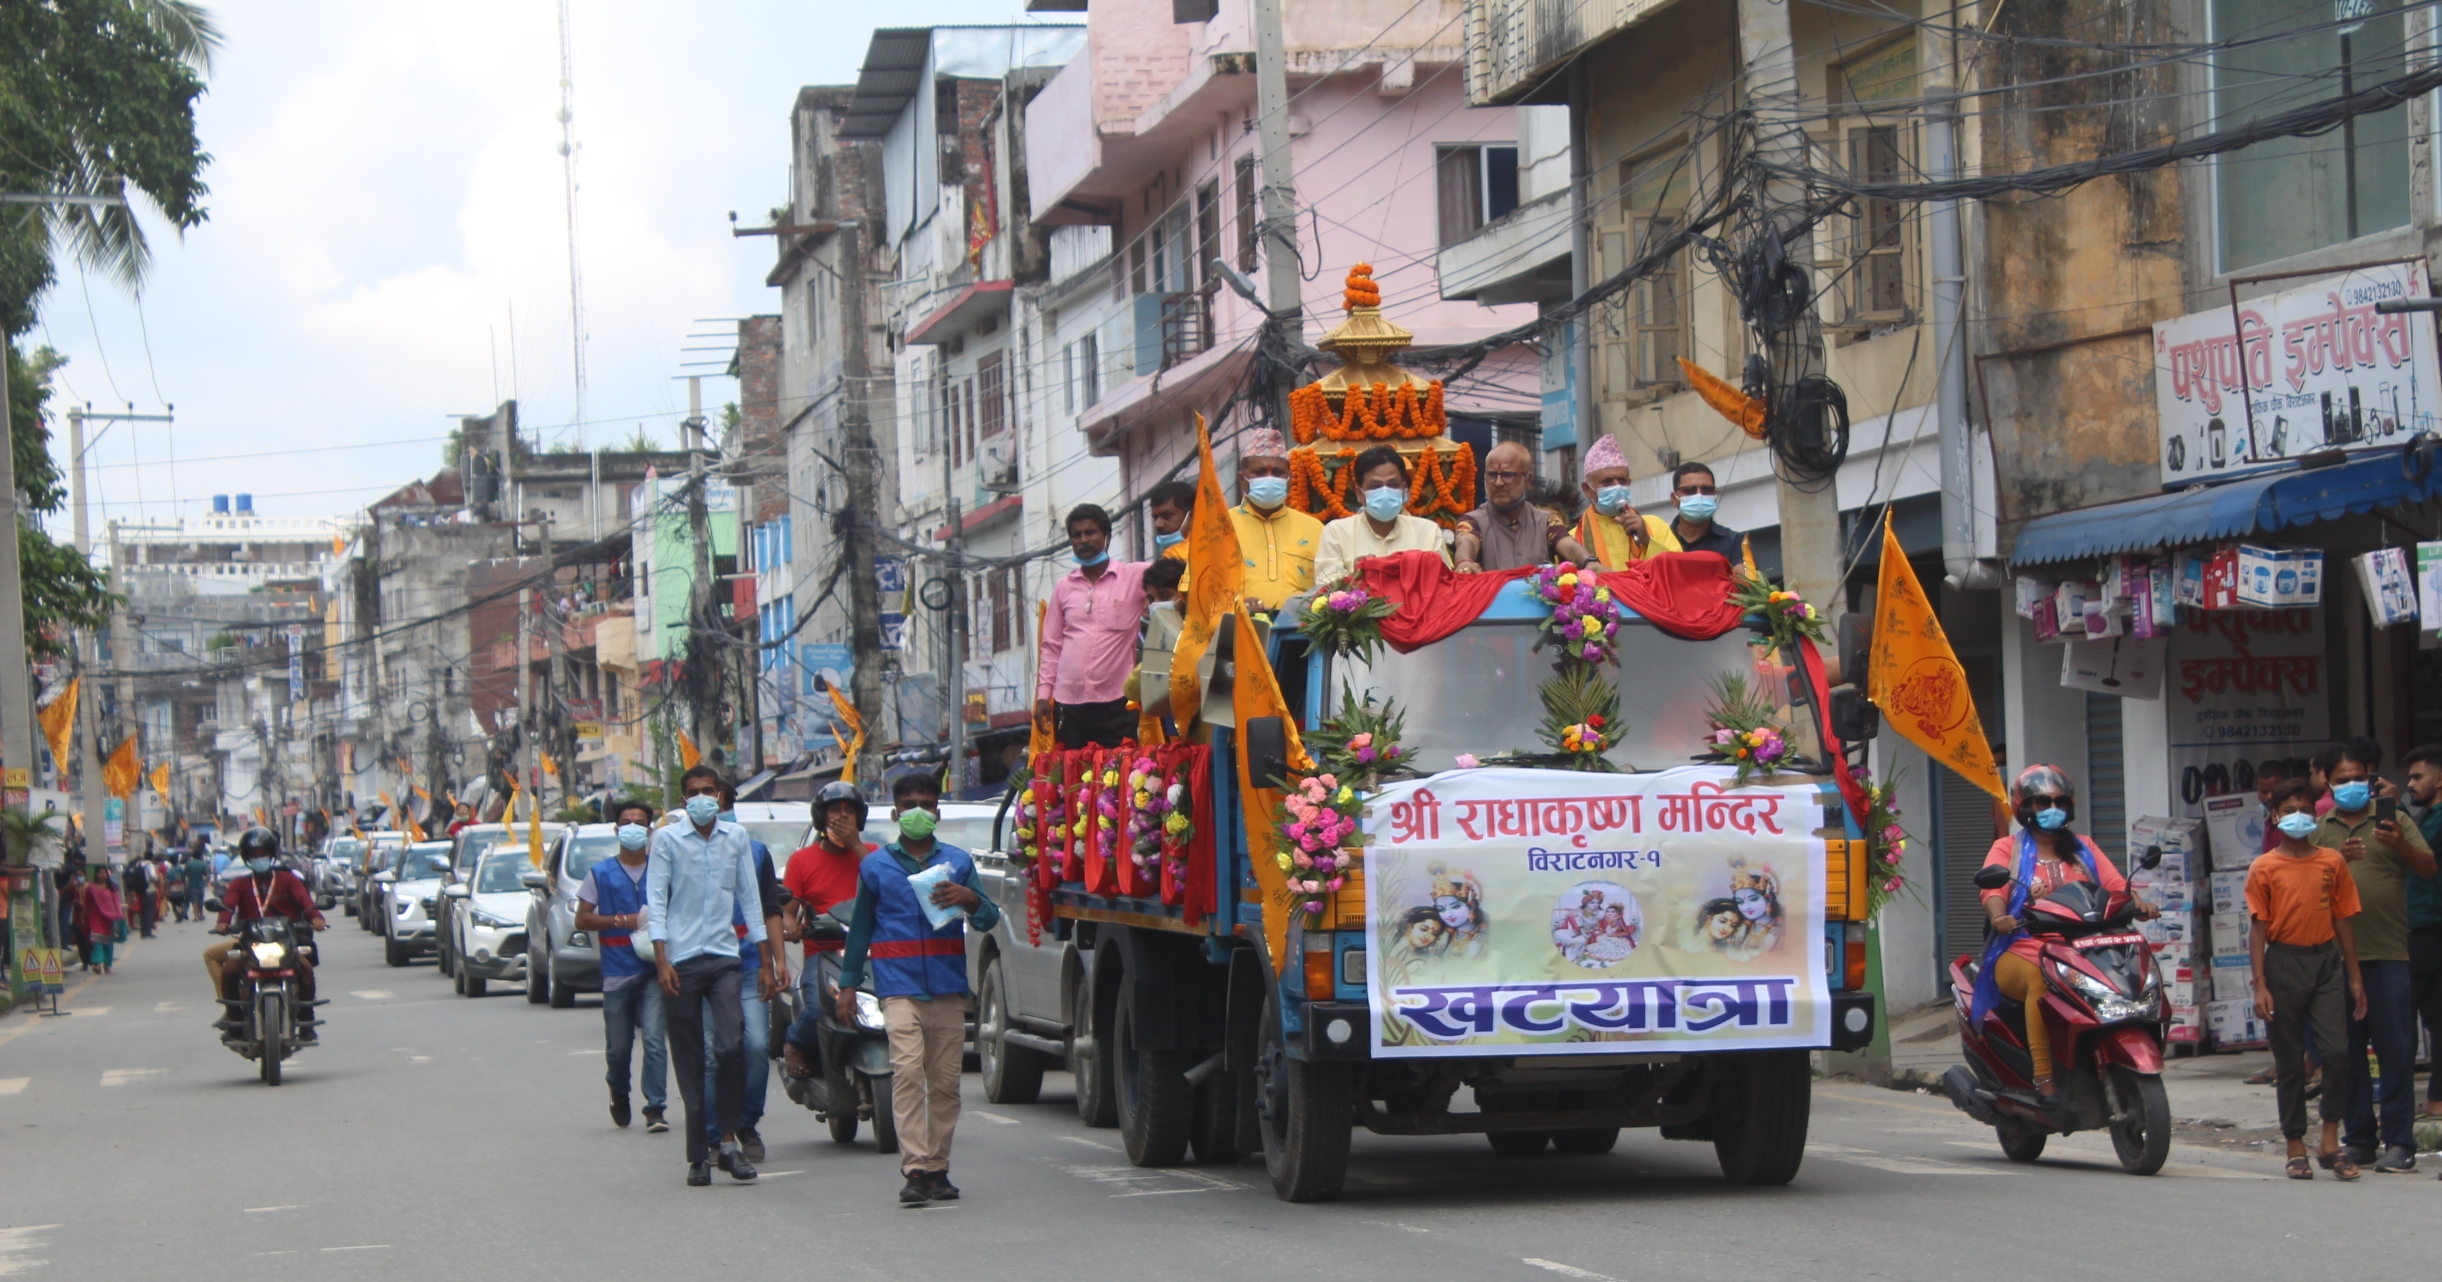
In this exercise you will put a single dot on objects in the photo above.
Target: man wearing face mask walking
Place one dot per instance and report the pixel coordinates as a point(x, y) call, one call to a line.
point(1277, 541)
point(919, 976)
point(2382, 854)
point(1089, 639)
point(610, 903)
point(699, 880)
point(1383, 527)
point(1612, 530)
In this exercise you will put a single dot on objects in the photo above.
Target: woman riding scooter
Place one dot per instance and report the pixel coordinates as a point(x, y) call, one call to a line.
point(2042, 856)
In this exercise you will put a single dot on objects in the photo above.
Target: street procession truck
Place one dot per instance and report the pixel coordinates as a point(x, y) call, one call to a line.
point(1504, 945)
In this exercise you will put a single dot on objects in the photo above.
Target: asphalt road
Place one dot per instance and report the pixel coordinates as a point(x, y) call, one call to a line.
point(434, 1133)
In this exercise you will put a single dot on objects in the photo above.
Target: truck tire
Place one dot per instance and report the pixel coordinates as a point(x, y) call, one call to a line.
point(1518, 1143)
point(1089, 1056)
point(1156, 1102)
point(1586, 1141)
point(1305, 1110)
point(1012, 1074)
point(1760, 1114)
point(1214, 1136)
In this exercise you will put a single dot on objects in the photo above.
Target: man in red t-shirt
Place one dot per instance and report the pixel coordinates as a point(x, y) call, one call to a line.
point(819, 876)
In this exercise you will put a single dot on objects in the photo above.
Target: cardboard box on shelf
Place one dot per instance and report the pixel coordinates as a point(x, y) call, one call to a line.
point(2169, 928)
point(2030, 591)
point(2234, 1023)
point(2233, 978)
point(2181, 837)
point(2173, 958)
point(2181, 992)
point(2389, 586)
point(2227, 892)
point(2273, 577)
point(2234, 827)
point(2221, 580)
point(2069, 606)
point(2227, 932)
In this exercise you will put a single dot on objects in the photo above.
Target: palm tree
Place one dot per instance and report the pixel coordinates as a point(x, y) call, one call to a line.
point(22, 833)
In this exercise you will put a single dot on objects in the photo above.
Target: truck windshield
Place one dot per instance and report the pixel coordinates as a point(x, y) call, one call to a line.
point(1476, 692)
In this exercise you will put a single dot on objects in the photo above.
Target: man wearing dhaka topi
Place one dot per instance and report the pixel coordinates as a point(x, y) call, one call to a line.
point(1614, 532)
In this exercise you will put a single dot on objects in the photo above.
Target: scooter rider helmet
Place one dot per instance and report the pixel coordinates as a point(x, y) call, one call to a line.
point(2041, 780)
point(838, 790)
point(258, 843)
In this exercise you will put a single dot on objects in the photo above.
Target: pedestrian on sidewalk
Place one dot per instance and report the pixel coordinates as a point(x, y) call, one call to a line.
point(919, 973)
point(2424, 805)
point(610, 903)
point(198, 876)
point(137, 883)
point(700, 878)
point(2383, 854)
point(2300, 899)
point(103, 916)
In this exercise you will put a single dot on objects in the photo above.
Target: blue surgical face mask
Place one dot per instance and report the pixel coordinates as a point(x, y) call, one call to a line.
point(1611, 499)
point(2297, 823)
point(1268, 491)
point(1699, 507)
point(1165, 542)
point(2051, 817)
point(261, 865)
point(1096, 559)
point(633, 836)
point(1386, 503)
point(703, 808)
point(2351, 796)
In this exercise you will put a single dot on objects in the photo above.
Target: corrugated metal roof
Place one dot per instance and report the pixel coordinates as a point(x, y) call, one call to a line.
point(893, 72)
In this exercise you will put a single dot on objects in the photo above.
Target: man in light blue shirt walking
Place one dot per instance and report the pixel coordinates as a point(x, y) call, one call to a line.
point(699, 879)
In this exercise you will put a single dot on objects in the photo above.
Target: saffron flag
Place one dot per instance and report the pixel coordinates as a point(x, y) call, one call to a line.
point(121, 771)
point(58, 719)
point(1915, 678)
point(414, 830)
point(550, 767)
point(534, 830)
point(1216, 580)
point(161, 782)
point(1040, 740)
point(855, 747)
point(687, 753)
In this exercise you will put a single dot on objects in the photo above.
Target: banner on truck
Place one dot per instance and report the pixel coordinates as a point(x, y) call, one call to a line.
point(1577, 913)
point(2308, 369)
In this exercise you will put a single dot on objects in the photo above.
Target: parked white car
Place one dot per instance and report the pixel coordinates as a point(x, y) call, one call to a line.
point(487, 922)
point(408, 896)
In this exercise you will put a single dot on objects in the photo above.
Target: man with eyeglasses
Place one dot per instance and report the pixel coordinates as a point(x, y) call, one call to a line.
point(1692, 487)
point(1508, 532)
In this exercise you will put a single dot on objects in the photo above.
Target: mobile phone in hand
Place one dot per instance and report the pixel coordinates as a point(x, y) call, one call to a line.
point(2386, 809)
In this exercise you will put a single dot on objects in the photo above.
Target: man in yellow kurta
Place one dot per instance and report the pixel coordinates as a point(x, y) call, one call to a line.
point(1613, 531)
point(1277, 541)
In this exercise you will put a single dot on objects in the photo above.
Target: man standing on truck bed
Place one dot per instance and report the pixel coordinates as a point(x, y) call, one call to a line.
point(1089, 639)
point(920, 977)
point(1508, 532)
point(1277, 541)
point(1383, 527)
point(1612, 529)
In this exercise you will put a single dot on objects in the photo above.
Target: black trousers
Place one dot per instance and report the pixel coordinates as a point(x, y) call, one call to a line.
point(2310, 989)
point(1100, 725)
point(707, 980)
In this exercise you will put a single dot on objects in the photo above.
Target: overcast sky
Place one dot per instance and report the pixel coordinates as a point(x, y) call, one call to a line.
point(388, 244)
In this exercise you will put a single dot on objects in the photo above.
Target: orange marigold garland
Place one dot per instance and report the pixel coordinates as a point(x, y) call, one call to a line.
point(1361, 290)
point(1442, 484)
point(1310, 482)
point(1369, 414)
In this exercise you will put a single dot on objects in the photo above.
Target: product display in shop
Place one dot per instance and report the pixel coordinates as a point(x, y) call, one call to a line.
point(2273, 577)
point(2389, 586)
point(2429, 592)
point(2234, 827)
point(2170, 885)
point(2130, 667)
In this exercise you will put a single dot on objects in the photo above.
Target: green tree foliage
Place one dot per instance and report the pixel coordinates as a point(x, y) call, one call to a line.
point(61, 590)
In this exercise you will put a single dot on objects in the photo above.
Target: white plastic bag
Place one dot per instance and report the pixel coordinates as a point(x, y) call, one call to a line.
point(922, 883)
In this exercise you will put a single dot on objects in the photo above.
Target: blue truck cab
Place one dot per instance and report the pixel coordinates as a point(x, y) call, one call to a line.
point(1190, 1040)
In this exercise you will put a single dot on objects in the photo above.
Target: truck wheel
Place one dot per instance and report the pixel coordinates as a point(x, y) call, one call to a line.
point(1012, 1074)
point(1586, 1141)
point(1305, 1116)
point(1215, 1133)
point(1157, 1104)
point(1518, 1143)
point(1089, 1059)
point(1759, 1122)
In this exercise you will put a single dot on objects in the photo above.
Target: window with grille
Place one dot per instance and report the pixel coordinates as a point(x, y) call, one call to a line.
point(1878, 276)
point(1873, 253)
point(991, 398)
point(1003, 611)
point(1208, 231)
point(1640, 333)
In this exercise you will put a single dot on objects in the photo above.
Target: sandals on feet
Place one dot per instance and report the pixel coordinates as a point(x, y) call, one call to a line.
point(2260, 1078)
point(2338, 1164)
point(2300, 1168)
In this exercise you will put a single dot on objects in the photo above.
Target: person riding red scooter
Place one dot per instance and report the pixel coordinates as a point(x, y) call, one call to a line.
point(2061, 1019)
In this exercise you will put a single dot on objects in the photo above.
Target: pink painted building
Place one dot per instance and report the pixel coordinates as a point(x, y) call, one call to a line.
point(1144, 149)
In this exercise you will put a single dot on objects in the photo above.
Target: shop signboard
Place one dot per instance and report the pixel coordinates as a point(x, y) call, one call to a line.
point(1562, 913)
point(2311, 368)
point(2242, 686)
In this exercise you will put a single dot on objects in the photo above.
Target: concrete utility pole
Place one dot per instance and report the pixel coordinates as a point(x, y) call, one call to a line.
point(123, 649)
point(1959, 564)
point(1810, 511)
point(556, 691)
point(527, 727)
point(1279, 179)
point(89, 702)
point(16, 681)
point(954, 633)
point(699, 592)
point(864, 523)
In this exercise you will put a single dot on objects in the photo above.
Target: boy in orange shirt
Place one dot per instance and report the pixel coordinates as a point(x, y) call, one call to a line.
point(2301, 898)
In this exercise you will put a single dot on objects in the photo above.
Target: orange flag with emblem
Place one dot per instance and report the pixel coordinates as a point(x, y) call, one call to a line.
point(58, 719)
point(121, 771)
point(1915, 678)
point(1216, 580)
point(161, 782)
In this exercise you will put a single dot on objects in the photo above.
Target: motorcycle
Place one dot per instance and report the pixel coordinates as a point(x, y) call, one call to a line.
point(2103, 996)
point(265, 1021)
point(852, 1080)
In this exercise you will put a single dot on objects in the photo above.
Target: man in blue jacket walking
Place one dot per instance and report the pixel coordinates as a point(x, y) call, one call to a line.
point(919, 973)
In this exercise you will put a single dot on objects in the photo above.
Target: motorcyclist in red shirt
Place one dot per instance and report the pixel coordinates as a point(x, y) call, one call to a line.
point(822, 874)
point(268, 890)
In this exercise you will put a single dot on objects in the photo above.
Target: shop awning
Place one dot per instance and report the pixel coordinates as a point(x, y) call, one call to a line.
point(2260, 504)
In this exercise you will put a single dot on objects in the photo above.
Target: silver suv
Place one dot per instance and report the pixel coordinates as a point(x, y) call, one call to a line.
point(563, 961)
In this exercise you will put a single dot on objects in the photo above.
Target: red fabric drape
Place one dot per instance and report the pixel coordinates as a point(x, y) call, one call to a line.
point(1685, 594)
point(1850, 790)
point(1199, 902)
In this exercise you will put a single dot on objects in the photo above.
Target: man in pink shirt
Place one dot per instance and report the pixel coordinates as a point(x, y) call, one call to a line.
point(1089, 638)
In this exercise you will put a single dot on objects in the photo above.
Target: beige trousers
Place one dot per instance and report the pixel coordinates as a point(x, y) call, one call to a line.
point(216, 958)
point(927, 1048)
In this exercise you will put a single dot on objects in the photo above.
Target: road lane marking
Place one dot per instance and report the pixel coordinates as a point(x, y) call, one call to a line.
point(13, 1085)
point(1895, 1164)
point(584, 1052)
point(90, 1010)
point(372, 994)
point(123, 1076)
point(376, 1246)
point(1568, 1270)
point(16, 1243)
point(1079, 1139)
point(992, 1117)
point(163, 1008)
point(262, 1210)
